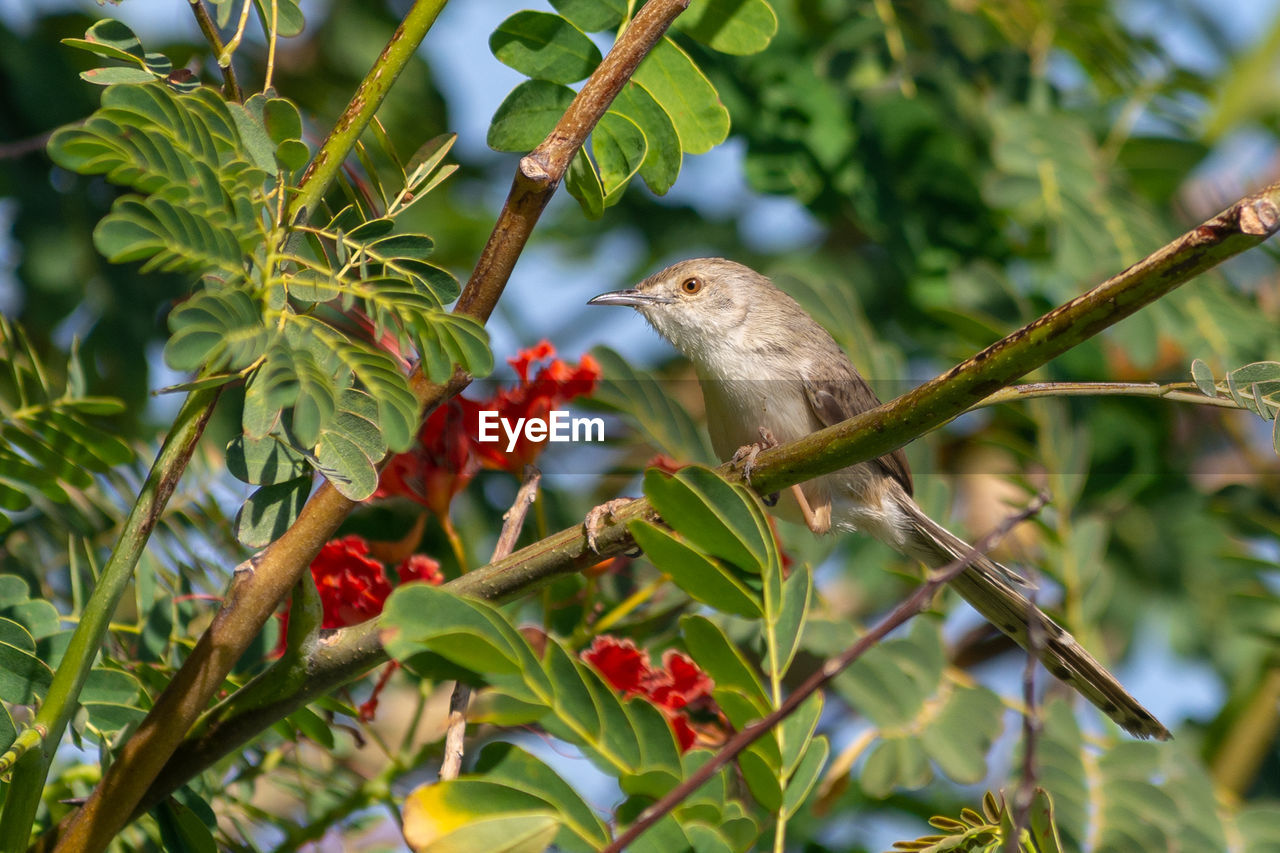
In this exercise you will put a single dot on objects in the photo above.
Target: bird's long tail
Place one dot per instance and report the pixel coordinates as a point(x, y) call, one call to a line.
point(986, 585)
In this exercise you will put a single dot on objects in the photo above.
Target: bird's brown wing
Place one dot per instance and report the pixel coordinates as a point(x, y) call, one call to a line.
point(834, 401)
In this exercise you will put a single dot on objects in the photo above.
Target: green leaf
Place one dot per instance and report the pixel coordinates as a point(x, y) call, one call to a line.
point(282, 120)
point(108, 717)
point(720, 658)
point(891, 681)
point(110, 685)
point(292, 377)
point(110, 39)
point(182, 829)
point(24, 678)
point(788, 627)
point(545, 47)
point(619, 147)
point(592, 16)
point(15, 634)
point(573, 701)
point(617, 745)
point(38, 616)
point(703, 578)
point(456, 339)
point(897, 762)
point(683, 91)
point(959, 737)
point(659, 752)
point(806, 775)
point(350, 446)
point(737, 27)
point(797, 731)
point(662, 157)
point(527, 115)
point(116, 74)
point(507, 764)
point(466, 631)
point(721, 518)
point(263, 461)
point(761, 776)
point(13, 590)
point(217, 329)
point(270, 511)
point(289, 18)
point(583, 183)
point(8, 731)
point(466, 815)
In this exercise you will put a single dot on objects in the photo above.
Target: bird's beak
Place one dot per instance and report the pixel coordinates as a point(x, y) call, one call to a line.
point(632, 298)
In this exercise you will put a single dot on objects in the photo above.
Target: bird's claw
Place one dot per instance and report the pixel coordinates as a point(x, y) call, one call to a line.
point(596, 518)
point(748, 452)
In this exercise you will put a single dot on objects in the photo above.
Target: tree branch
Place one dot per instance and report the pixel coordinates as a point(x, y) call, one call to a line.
point(351, 652)
point(909, 607)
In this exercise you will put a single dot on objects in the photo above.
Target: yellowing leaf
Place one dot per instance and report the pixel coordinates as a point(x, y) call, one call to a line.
point(466, 815)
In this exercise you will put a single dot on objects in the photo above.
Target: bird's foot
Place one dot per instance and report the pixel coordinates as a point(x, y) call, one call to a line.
point(748, 452)
point(596, 519)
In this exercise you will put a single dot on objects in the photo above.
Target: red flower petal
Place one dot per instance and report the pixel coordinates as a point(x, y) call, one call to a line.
point(420, 567)
point(623, 665)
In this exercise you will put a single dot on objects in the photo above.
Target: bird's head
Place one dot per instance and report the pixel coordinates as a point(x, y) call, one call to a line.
point(696, 305)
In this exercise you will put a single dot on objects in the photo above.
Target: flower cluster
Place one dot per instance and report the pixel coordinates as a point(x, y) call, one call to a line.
point(447, 454)
point(354, 587)
point(676, 688)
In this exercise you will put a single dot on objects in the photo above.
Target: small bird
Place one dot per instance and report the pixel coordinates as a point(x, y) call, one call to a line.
point(770, 373)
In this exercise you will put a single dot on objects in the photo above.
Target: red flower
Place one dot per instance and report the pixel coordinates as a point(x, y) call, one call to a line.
point(555, 383)
point(420, 567)
point(674, 687)
point(352, 586)
point(625, 667)
point(442, 462)
point(448, 454)
point(683, 683)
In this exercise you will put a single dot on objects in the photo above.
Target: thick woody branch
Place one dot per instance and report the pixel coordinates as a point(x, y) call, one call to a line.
point(353, 651)
point(255, 593)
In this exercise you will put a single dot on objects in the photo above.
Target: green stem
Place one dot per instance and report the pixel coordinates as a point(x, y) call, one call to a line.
point(230, 87)
point(368, 97)
point(32, 766)
point(1181, 392)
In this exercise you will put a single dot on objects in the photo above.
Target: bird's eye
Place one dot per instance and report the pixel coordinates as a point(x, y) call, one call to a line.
point(691, 285)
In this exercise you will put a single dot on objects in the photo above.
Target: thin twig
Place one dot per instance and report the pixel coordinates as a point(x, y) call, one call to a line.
point(1031, 722)
point(22, 147)
point(230, 87)
point(1182, 392)
point(512, 523)
point(752, 732)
